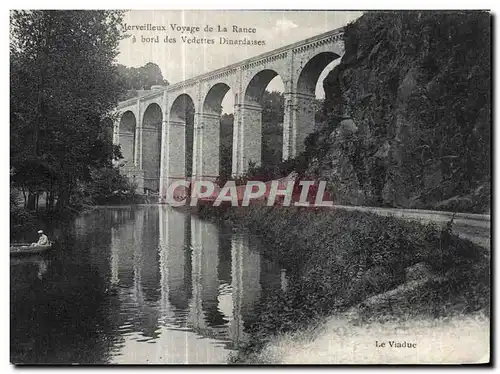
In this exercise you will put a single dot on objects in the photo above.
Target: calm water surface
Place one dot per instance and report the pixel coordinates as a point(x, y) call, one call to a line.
point(145, 284)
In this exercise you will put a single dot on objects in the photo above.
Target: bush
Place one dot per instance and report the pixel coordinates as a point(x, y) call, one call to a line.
point(108, 186)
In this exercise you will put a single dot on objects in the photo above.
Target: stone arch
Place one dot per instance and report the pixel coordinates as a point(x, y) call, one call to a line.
point(301, 103)
point(213, 100)
point(180, 109)
point(250, 132)
point(152, 116)
point(151, 146)
point(308, 76)
point(126, 136)
point(258, 84)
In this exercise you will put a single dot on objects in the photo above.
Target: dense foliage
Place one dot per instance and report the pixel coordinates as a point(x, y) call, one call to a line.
point(141, 78)
point(416, 87)
point(20, 218)
point(107, 186)
point(336, 260)
point(64, 82)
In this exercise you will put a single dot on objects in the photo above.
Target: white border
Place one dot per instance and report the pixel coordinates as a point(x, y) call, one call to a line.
point(185, 4)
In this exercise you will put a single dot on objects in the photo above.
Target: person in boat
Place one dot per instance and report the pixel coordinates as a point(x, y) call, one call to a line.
point(42, 240)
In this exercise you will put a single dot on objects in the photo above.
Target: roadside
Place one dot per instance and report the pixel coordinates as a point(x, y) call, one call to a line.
point(474, 227)
point(384, 269)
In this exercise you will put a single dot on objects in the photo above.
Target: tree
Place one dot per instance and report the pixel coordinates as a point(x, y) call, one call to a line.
point(142, 78)
point(64, 83)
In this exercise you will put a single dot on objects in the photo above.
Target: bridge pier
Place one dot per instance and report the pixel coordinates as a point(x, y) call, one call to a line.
point(175, 150)
point(138, 139)
point(303, 123)
point(163, 149)
point(151, 156)
point(206, 146)
point(247, 136)
point(287, 127)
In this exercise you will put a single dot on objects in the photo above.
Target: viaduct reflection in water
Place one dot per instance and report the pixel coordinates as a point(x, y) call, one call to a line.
point(145, 284)
point(174, 272)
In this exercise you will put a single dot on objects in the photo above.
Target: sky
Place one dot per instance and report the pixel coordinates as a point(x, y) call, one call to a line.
point(180, 61)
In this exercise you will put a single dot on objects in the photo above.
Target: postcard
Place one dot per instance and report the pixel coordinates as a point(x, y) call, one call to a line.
point(250, 187)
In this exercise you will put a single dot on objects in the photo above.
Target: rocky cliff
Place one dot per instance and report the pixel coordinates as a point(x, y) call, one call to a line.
point(408, 111)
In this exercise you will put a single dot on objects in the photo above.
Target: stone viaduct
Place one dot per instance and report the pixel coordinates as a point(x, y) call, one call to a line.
point(151, 128)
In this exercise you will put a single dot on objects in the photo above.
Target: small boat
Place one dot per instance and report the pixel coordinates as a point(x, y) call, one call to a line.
point(21, 249)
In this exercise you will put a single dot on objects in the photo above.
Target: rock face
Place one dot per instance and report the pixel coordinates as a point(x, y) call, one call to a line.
point(416, 89)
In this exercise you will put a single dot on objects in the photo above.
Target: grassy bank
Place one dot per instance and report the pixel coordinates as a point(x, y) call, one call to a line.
point(342, 340)
point(385, 268)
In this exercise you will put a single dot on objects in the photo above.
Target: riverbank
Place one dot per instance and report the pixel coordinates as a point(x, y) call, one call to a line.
point(342, 340)
point(382, 268)
point(25, 223)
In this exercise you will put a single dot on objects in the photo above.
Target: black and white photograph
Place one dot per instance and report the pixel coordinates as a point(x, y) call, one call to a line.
point(250, 187)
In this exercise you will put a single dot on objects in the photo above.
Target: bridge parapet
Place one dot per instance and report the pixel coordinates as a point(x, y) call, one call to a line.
point(338, 37)
point(263, 58)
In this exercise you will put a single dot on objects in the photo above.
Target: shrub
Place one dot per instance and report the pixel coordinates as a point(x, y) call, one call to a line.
point(108, 186)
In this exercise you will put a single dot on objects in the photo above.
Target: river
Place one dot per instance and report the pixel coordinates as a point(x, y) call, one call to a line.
point(138, 285)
